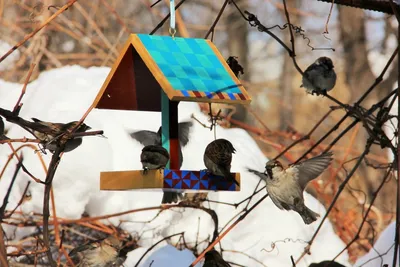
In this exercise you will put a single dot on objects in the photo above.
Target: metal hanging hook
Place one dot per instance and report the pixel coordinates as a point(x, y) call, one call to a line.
point(172, 23)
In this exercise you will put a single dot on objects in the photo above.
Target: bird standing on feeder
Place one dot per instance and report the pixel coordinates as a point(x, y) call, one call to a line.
point(319, 77)
point(154, 157)
point(154, 138)
point(285, 186)
point(218, 158)
point(214, 259)
point(99, 253)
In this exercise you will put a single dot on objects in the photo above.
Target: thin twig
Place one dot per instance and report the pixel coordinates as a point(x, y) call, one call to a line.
point(227, 231)
point(29, 36)
point(17, 106)
point(155, 244)
point(14, 177)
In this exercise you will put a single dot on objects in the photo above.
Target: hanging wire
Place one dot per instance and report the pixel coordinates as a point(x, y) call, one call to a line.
point(254, 22)
point(214, 119)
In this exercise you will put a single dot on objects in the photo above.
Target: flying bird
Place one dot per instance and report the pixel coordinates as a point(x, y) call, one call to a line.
point(214, 259)
point(285, 186)
point(154, 138)
point(218, 157)
point(319, 77)
point(99, 253)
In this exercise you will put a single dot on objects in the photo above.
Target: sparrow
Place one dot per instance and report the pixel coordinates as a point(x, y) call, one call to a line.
point(218, 157)
point(214, 259)
point(99, 253)
point(285, 186)
point(326, 264)
point(319, 77)
point(49, 132)
point(236, 68)
point(154, 157)
point(154, 138)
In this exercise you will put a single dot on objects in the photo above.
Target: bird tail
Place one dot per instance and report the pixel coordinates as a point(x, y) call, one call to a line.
point(230, 177)
point(308, 215)
point(171, 197)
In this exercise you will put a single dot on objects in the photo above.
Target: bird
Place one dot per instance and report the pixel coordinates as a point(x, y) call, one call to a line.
point(218, 157)
point(99, 253)
point(319, 77)
point(154, 138)
point(285, 186)
point(326, 264)
point(154, 157)
point(236, 68)
point(213, 259)
point(49, 132)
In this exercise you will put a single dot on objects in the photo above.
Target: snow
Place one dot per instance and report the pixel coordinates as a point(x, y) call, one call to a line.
point(384, 246)
point(64, 94)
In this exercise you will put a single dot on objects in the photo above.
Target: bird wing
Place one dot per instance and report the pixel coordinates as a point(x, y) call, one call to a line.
point(311, 72)
point(184, 130)
point(146, 138)
point(220, 153)
point(87, 246)
point(311, 168)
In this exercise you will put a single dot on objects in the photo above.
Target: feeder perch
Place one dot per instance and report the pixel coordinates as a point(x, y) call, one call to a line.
point(154, 73)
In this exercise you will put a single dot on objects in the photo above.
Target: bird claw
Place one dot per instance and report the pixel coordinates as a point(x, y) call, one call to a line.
point(145, 171)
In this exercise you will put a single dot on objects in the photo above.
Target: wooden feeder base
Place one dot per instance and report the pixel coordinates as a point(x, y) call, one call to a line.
point(169, 180)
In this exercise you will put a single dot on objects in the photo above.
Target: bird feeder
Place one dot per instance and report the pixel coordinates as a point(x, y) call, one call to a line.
point(155, 73)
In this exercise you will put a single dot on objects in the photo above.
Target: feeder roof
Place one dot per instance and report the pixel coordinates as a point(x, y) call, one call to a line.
point(186, 69)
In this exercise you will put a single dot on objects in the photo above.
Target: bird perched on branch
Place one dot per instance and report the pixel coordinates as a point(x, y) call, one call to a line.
point(49, 133)
point(99, 253)
point(213, 259)
point(154, 138)
point(2, 130)
point(218, 157)
point(319, 77)
point(285, 186)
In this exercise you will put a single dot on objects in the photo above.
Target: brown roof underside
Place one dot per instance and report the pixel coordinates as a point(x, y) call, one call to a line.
point(381, 6)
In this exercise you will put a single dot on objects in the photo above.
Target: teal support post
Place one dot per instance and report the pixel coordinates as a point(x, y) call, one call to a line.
point(169, 130)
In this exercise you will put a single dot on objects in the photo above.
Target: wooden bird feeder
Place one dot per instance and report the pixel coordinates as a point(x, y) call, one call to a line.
point(154, 73)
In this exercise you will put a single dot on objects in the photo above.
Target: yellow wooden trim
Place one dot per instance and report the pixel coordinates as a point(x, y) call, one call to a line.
point(112, 72)
point(122, 180)
point(228, 69)
point(153, 67)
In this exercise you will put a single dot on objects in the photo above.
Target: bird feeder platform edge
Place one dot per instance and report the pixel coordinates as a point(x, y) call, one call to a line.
point(168, 180)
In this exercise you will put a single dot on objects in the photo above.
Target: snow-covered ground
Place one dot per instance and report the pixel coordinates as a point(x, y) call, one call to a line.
point(64, 94)
point(383, 250)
